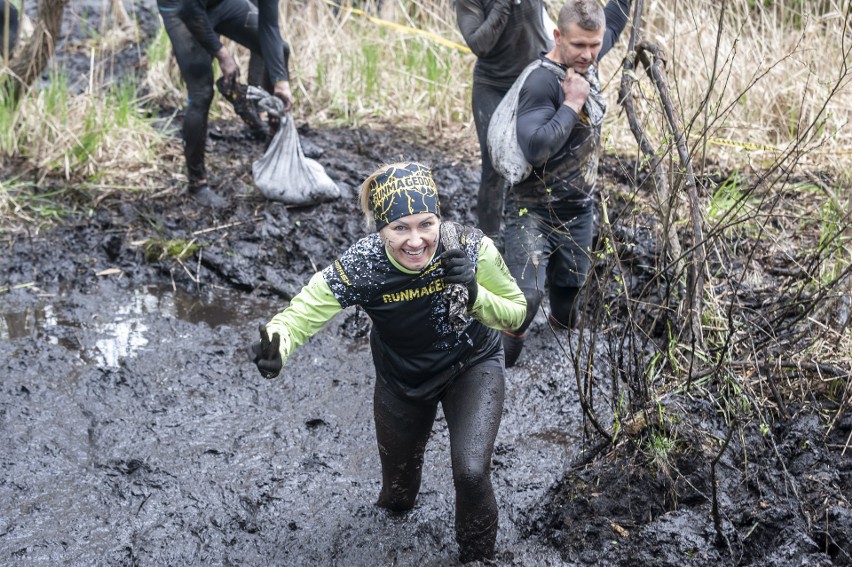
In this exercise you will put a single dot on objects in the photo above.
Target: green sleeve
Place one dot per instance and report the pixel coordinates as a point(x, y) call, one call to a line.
point(500, 303)
point(312, 308)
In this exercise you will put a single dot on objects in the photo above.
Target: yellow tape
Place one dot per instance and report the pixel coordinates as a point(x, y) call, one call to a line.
point(766, 148)
point(405, 29)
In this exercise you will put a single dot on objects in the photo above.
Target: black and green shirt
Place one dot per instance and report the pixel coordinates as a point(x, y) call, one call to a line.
point(412, 338)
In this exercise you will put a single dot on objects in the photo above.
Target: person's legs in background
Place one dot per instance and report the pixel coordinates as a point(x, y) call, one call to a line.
point(568, 266)
point(196, 67)
point(489, 201)
point(564, 306)
point(526, 251)
point(237, 20)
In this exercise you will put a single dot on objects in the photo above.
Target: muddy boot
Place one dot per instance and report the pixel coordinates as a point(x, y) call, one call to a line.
point(206, 197)
point(477, 546)
point(244, 109)
point(563, 325)
point(512, 346)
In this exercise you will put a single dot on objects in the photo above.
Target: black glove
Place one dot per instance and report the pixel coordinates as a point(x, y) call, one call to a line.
point(265, 354)
point(458, 269)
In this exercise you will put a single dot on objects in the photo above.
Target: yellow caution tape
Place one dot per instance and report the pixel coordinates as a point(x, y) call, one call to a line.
point(405, 29)
point(767, 148)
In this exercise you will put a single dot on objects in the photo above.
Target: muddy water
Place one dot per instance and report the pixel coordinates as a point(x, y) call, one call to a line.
point(135, 432)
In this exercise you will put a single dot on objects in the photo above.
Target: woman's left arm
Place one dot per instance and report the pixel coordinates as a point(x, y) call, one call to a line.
point(500, 303)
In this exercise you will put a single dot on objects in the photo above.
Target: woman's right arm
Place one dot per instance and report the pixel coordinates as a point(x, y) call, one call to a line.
point(312, 308)
point(481, 32)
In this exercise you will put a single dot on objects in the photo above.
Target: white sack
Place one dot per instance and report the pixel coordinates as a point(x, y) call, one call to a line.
point(285, 174)
point(503, 147)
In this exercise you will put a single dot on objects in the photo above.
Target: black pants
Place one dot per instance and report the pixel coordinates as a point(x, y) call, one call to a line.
point(492, 187)
point(472, 405)
point(12, 38)
point(234, 19)
point(549, 247)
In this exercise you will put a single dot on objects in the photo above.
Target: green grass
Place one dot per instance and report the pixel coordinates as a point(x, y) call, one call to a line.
point(833, 242)
point(157, 250)
point(36, 207)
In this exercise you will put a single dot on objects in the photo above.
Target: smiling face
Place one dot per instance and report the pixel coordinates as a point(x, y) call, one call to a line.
point(413, 239)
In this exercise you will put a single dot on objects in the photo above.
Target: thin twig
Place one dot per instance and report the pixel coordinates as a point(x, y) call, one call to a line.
point(717, 520)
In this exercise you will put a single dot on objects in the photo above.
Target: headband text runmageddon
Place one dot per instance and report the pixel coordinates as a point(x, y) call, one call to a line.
point(403, 190)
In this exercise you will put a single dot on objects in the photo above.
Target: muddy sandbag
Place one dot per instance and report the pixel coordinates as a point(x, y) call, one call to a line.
point(506, 154)
point(285, 174)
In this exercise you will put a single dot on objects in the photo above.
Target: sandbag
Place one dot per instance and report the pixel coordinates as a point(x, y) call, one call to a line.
point(285, 174)
point(506, 155)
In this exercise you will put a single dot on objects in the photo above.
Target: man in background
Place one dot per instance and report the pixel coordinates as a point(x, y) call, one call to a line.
point(505, 36)
point(550, 215)
point(194, 27)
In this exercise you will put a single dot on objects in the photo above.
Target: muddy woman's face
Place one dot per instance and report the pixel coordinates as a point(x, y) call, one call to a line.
point(412, 240)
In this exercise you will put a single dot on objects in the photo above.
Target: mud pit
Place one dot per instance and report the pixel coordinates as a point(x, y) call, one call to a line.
point(134, 431)
point(137, 432)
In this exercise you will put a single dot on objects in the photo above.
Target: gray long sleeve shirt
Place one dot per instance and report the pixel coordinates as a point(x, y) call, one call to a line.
point(504, 36)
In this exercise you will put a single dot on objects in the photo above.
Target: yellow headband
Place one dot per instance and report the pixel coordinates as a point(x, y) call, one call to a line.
point(401, 191)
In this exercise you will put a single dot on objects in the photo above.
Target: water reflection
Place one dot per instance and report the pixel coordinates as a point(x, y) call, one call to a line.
point(106, 329)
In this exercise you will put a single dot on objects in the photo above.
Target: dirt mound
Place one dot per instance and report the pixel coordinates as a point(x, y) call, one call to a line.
point(781, 495)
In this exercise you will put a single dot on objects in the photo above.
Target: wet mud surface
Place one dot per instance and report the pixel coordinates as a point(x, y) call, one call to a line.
point(134, 431)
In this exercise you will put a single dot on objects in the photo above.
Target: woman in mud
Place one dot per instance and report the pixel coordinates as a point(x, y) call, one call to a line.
point(410, 276)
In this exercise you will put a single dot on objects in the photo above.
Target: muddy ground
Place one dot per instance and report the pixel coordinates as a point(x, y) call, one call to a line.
point(134, 431)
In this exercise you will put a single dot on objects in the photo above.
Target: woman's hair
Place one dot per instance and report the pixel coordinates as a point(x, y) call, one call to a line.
point(588, 14)
point(364, 195)
point(370, 185)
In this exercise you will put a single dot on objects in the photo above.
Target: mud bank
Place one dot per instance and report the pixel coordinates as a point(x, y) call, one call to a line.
point(135, 432)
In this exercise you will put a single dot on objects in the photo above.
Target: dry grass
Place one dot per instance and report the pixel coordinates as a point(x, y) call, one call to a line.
point(774, 77)
point(778, 80)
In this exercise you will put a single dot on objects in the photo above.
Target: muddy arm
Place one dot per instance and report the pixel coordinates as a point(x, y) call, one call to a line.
point(194, 15)
point(500, 303)
point(307, 313)
point(481, 33)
